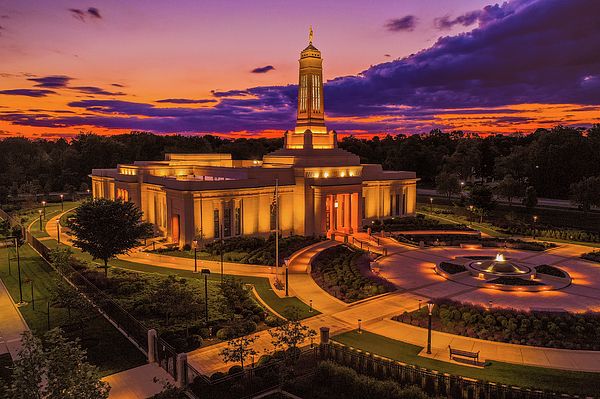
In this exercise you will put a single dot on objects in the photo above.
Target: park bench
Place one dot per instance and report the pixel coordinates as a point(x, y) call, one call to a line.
point(462, 353)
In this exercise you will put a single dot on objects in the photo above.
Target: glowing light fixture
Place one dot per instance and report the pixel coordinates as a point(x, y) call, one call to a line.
point(500, 258)
point(326, 174)
point(335, 204)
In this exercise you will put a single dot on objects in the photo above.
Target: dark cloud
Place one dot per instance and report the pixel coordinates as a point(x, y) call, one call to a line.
point(94, 13)
point(264, 69)
point(27, 92)
point(387, 55)
point(484, 16)
point(54, 81)
point(185, 101)
point(230, 93)
point(93, 90)
point(78, 14)
point(81, 15)
point(117, 85)
point(406, 23)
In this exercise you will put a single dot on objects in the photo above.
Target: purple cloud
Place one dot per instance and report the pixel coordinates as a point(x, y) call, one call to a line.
point(78, 14)
point(229, 93)
point(94, 12)
point(185, 101)
point(54, 81)
point(27, 92)
point(264, 69)
point(81, 15)
point(406, 23)
point(92, 90)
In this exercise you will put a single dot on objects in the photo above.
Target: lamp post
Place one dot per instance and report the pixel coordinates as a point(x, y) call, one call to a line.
point(221, 253)
point(360, 326)
point(462, 186)
point(58, 231)
point(18, 269)
point(44, 207)
point(287, 272)
point(62, 202)
point(206, 273)
point(535, 218)
point(431, 204)
point(40, 212)
point(430, 309)
point(195, 243)
point(310, 308)
point(470, 213)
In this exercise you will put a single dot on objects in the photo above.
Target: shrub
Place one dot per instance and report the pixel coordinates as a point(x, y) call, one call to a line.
point(593, 256)
point(216, 376)
point(235, 370)
point(272, 321)
point(452, 268)
point(550, 270)
point(226, 333)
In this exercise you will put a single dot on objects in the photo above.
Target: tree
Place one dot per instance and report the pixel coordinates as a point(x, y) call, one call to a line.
point(530, 199)
point(292, 333)
point(106, 228)
point(482, 200)
point(238, 350)
point(447, 184)
point(175, 297)
point(509, 188)
point(586, 192)
point(55, 368)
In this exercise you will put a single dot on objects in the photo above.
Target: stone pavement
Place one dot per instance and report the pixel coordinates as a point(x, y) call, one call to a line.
point(138, 382)
point(12, 324)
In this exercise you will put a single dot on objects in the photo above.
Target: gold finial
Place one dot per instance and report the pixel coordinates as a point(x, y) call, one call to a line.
point(310, 35)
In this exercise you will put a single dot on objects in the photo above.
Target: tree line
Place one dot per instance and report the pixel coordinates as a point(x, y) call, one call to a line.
point(549, 160)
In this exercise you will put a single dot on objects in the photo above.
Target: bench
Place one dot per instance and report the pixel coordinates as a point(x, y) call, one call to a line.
point(462, 353)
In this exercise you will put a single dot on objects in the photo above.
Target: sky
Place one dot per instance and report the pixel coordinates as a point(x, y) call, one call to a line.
point(231, 67)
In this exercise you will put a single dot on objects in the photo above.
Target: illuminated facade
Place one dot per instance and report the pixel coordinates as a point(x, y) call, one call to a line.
point(322, 188)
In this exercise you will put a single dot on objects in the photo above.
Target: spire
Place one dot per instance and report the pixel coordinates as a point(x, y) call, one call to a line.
point(310, 35)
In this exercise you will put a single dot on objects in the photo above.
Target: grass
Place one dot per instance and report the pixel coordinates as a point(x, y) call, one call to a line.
point(564, 381)
point(262, 285)
point(30, 217)
point(105, 345)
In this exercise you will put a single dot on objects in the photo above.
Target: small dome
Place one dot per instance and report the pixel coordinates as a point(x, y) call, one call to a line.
point(310, 51)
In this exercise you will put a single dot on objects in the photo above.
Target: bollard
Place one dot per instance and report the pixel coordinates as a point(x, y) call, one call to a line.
point(324, 335)
point(152, 346)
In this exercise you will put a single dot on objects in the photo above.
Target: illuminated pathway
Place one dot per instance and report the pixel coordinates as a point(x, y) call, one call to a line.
point(411, 270)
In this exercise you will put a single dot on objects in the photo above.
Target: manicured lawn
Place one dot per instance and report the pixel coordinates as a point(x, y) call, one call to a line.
point(106, 347)
point(262, 285)
point(563, 381)
point(31, 217)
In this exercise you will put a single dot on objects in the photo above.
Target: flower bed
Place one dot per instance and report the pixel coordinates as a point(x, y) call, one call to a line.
point(345, 273)
point(458, 239)
point(509, 280)
point(561, 234)
point(550, 270)
point(554, 330)
point(452, 268)
point(409, 223)
point(593, 256)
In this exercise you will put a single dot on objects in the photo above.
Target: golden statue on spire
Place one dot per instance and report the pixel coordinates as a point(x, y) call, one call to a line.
point(310, 35)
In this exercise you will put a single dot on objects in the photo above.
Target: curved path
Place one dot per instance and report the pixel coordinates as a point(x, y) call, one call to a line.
point(412, 270)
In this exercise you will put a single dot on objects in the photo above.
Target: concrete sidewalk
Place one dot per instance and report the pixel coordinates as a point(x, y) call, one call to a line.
point(138, 382)
point(12, 324)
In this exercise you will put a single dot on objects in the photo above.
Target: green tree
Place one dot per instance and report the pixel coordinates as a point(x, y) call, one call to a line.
point(586, 193)
point(482, 200)
point(530, 199)
point(509, 188)
point(105, 228)
point(238, 350)
point(447, 184)
point(292, 333)
point(175, 297)
point(55, 368)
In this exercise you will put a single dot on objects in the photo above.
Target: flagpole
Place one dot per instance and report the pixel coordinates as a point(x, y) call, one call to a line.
point(277, 229)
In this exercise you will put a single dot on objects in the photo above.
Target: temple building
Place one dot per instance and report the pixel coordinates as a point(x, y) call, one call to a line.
point(321, 189)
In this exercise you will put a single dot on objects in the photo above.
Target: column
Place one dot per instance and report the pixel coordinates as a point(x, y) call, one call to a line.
point(347, 225)
point(338, 212)
point(356, 212)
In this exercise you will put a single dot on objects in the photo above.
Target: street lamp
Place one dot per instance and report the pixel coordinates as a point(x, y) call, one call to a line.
point(58, 231)
point(206, 273)
point(535, 218)
point(430, 309)
point(221, 253)
point(360, 326)
point(310, 308)
point(286, 261)
point(62, 202)
point(18, 268)
point(195, 243)
point(431, 204)
point(44, 206)
point(40, 212)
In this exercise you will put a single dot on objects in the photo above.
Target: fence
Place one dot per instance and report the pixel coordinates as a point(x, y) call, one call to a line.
point(254, 380)
point(432, 382)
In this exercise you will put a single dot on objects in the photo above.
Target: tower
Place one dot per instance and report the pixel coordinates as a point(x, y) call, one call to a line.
point(310, 131)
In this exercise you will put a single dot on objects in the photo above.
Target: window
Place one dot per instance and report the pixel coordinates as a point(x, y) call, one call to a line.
point(237, 220)
point(227, 222)
point(216, 223)
point(398, 204)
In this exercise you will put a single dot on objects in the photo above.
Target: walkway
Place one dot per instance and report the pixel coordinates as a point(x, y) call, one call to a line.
point(411, 269)
point(12, 324)
point(138, 382)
